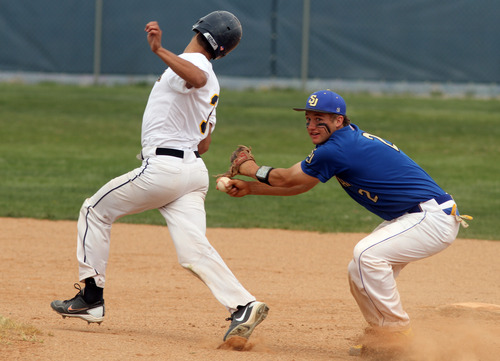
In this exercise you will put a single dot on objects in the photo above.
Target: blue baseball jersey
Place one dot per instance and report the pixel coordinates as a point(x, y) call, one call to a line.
point(373, 171)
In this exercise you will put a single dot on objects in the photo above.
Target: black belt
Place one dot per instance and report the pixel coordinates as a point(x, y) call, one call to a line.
point(174, 152)
point(439, 199)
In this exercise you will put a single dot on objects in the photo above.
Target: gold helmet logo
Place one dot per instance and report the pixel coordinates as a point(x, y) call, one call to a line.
point(313, 100)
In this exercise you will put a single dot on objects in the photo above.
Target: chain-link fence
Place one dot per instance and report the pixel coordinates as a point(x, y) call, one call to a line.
point(284, 41)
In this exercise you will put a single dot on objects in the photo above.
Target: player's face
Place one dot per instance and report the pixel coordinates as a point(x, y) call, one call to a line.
point(320, 126)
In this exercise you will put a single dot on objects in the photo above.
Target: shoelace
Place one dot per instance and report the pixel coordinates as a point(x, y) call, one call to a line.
point(80, 291)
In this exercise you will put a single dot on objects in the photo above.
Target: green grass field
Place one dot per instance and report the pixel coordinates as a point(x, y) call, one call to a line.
point(60, 143)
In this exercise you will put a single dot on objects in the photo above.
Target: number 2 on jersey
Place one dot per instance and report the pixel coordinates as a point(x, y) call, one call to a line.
point(368, 195)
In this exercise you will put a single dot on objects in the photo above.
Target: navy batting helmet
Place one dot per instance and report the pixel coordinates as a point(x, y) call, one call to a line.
point(222, 31)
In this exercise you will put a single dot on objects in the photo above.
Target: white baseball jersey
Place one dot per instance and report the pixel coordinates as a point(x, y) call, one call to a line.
point(176, 118)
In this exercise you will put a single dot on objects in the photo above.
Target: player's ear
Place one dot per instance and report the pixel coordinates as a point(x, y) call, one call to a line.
point(338, 120)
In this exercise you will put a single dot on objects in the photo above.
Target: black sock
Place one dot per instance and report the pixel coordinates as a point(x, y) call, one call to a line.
point(92, 293)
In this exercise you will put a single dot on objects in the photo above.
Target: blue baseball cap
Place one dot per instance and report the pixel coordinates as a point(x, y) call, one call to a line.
point(325, 101)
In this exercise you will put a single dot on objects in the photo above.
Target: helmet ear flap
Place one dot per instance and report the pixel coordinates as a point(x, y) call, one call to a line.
point(203, 41)
point(222, 31)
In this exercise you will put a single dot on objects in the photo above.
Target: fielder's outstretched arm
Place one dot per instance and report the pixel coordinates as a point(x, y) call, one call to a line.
point(282, 182)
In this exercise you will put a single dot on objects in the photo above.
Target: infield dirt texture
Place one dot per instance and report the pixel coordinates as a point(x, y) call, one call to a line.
point(158, 311)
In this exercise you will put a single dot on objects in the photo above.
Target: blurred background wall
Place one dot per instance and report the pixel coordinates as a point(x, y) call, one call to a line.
point(360, 45)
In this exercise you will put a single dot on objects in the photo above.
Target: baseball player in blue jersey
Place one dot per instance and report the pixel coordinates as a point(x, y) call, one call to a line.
point(176, 129)
point(420, 218)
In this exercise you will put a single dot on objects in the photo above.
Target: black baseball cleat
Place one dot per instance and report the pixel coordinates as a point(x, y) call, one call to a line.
point(245, 319)
point(78, 307)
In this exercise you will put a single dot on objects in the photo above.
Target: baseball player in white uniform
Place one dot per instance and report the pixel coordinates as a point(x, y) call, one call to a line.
point(177, 125)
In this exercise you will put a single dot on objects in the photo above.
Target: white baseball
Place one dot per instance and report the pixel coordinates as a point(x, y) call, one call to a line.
point(222, 184)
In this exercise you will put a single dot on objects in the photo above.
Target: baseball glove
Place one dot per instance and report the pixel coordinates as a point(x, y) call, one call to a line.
point(241, 155)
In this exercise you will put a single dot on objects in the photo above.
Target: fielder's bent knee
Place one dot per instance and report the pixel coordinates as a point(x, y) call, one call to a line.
point(353, 273)
point(357, 252)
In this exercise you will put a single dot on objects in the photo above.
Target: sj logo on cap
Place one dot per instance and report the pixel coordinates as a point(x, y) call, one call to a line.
point(313, 100)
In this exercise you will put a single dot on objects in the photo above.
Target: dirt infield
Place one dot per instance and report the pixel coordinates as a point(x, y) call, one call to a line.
point(158, 311)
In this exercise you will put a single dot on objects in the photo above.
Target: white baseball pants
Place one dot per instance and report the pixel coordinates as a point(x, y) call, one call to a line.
point(177, 187)
point(379, 257)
